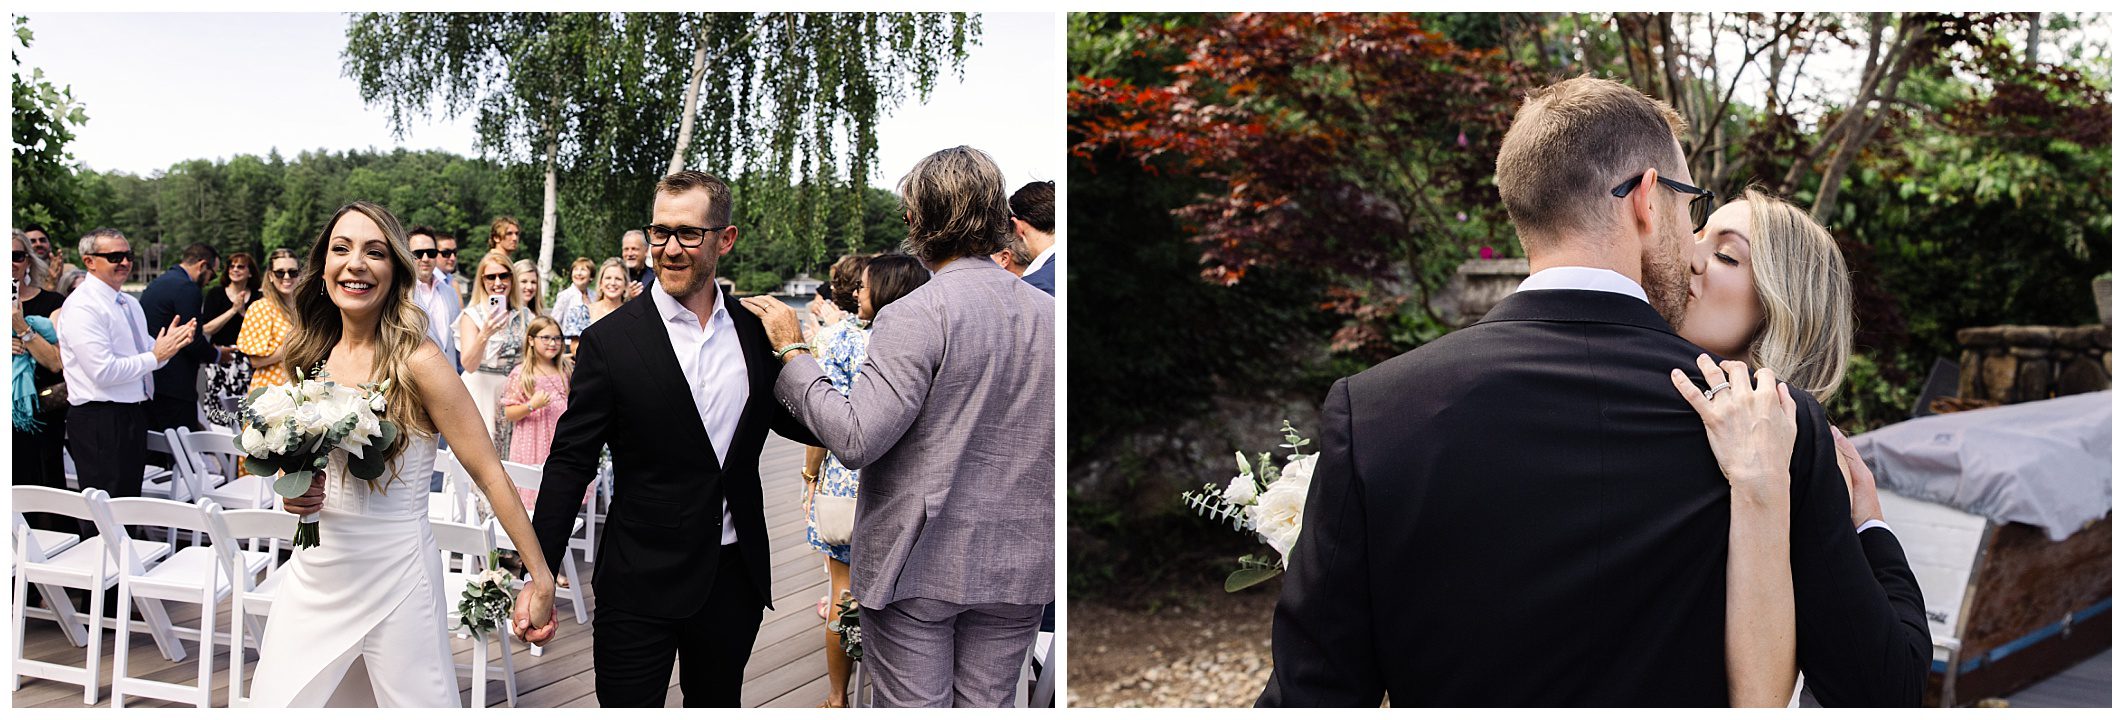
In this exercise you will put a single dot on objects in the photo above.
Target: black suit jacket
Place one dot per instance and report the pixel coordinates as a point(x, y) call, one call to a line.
point(174, 295)
point(1525, 513)
point(657, 553)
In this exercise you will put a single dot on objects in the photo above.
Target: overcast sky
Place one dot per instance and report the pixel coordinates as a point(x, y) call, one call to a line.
point(162, 88)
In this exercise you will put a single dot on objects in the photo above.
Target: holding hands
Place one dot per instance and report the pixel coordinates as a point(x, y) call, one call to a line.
point(533, 617)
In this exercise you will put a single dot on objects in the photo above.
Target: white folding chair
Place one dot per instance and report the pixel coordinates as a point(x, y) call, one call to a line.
point(449, 505)
point(248, 492)
point(81, 566)
point(180, 482)
point(253, 598)
point(196, 574)
point(33, 545)
point(472, 545)
point(1043, 692)
point(529, 478)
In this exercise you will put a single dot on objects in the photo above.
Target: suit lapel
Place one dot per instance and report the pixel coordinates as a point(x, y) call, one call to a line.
point(760, 368)
point(653, 343)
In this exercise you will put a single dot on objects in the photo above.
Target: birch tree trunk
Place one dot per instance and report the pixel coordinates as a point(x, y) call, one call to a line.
point(693, 97)
point(550, 218)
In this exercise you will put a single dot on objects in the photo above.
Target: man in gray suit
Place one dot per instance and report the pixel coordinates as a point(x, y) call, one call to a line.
point(953, 549)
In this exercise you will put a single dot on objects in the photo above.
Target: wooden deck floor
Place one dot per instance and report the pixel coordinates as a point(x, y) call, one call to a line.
point(788, 666)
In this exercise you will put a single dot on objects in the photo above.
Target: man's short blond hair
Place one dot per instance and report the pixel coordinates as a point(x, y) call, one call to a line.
point(1569, 144)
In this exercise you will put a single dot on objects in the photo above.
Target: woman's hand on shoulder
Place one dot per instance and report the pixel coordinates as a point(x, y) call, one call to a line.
point(1751, 422)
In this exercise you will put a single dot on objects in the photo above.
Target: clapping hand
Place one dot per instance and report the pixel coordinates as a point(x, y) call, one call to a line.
point(536, 601)
point(174, 338)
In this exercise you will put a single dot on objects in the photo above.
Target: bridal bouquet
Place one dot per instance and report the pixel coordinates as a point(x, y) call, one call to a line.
point(1266, 500)
point(487, 599)
point(293, 428)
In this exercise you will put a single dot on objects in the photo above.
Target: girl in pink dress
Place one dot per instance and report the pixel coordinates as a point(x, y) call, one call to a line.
point(535, 396)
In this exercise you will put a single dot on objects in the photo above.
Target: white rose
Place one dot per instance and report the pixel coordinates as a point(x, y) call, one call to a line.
point(376, 402)
point(1241, 492)
point(366, 429)
point(310, 419)
point(279, 436)
point(1301, 469)
point(254, 442)
point(1279, 515)
point(273, 404)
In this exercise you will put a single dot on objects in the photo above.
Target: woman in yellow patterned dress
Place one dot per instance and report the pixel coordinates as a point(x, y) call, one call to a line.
point(269, 324)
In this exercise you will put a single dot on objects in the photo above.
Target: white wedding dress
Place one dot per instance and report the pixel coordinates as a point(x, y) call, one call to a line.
point(359, 619)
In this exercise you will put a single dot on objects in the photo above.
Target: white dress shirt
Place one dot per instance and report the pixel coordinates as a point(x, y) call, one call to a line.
point(714, 365)
point(1572, 277)
point(569, 297)
point(1041, 259)
point(440, 301)
point(106, 352)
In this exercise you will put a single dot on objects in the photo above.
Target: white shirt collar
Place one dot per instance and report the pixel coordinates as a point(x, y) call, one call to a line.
point(1041, 259)
point(1571, 277)
point(671, 310)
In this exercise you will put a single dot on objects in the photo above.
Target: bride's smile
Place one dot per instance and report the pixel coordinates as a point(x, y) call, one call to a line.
point(359, 264)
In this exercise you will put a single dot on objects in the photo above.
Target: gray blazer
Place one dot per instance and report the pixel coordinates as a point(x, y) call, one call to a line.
point(952, 421)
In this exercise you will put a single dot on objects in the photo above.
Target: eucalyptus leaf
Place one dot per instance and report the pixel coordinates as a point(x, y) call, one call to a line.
point(294, 484)
point(1248, 577)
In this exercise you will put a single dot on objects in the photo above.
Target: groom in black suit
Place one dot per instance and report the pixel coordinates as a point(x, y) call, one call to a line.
point(1524, 513)
point(679, 382)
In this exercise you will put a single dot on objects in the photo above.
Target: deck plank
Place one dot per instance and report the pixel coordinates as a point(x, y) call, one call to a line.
point(788, 667)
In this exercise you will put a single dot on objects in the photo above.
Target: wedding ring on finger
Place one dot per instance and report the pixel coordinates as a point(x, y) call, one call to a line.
point(1713, 392)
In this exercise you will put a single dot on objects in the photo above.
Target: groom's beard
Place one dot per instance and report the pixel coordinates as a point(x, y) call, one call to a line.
point(1666, 273)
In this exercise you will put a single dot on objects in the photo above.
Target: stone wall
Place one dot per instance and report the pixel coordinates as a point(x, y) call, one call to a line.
point(2008, 364)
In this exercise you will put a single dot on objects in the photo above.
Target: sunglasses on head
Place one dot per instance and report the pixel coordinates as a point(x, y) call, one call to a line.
point(289, 274)
point(1699, 206)
point(115, 258)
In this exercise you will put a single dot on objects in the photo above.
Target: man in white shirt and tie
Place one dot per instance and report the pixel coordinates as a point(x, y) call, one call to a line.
point(110, 358)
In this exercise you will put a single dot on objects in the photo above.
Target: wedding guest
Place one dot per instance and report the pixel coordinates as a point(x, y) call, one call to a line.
point(634, 254)
point(529, 285)
point(40, 243)
point(1014, 256)
point(490, 340)
point(535, 398)
point(505, 234)
point(446, 261)
point(226, 304)
point(40, 433)
point(873, 283)
point(611, 289)
point(578, 291)
point(109, 357)
point(432, 292)
point(174, 298)
point(1032, 215)
point(272, 320)
point(953, 549)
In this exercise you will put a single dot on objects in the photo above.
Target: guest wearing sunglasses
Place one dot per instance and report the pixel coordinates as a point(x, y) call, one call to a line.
point(432, 291)
point(446, 261)
point(222, 315)
point(176, 297)
point(39, 430)
point(271, 321)
point(490, 338)
point(109, 357)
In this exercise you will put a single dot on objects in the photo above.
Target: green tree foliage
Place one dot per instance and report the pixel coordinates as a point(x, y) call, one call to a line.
point(788, 111)
point(45, 115)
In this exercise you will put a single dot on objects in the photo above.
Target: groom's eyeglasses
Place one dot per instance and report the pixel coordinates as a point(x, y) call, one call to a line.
point(688, 236)
point(1699, 206)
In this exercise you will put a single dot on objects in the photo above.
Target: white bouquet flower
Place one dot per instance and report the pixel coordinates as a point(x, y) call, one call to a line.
point(292, 429)
point(1266, 500)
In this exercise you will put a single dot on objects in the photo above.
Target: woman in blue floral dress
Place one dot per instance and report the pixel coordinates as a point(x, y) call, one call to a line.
point(862, 285)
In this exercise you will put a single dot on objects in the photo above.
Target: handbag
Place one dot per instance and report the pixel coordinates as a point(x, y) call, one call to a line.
point(833, 518)
point(51, 398)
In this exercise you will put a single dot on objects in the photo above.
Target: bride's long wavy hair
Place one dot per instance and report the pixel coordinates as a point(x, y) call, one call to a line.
point(1805, 290)
point(401, 329)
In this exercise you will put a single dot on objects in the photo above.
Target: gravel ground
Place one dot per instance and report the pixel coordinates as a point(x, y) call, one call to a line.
point(1210, 649)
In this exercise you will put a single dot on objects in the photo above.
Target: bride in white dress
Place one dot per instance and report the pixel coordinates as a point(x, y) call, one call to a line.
point(359, 619)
